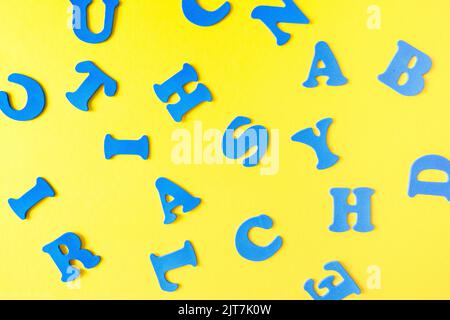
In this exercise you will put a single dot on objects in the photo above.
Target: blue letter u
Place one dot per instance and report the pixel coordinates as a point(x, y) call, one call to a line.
point(82, 30)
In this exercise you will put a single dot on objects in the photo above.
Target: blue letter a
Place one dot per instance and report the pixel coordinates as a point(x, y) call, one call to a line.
point(180, 197)
point(331, 69)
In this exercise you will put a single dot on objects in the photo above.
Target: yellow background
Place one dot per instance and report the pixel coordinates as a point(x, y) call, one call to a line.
point(114, 205)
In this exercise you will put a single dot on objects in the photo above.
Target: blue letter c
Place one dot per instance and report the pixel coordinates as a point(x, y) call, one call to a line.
point(250, 251)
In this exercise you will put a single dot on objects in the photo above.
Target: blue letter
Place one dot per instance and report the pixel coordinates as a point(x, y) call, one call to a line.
point(81, 29)
point(430, 162)
point(174, 260)
point(331, 69)
point(254, 136)
point(39, 192)
point(180, 197)
point(114, 147)
point(201, 17)
point(72, 243)
point(342, 209)
point(35, 103)
point(96, 79)
point(175, 85)
point(272, 16)
point(326, 158)
point(335, 291)
point(400, 65)
point(247, 249)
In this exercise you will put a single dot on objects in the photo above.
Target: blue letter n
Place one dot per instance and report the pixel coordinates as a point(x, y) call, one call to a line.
point(272, 16)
